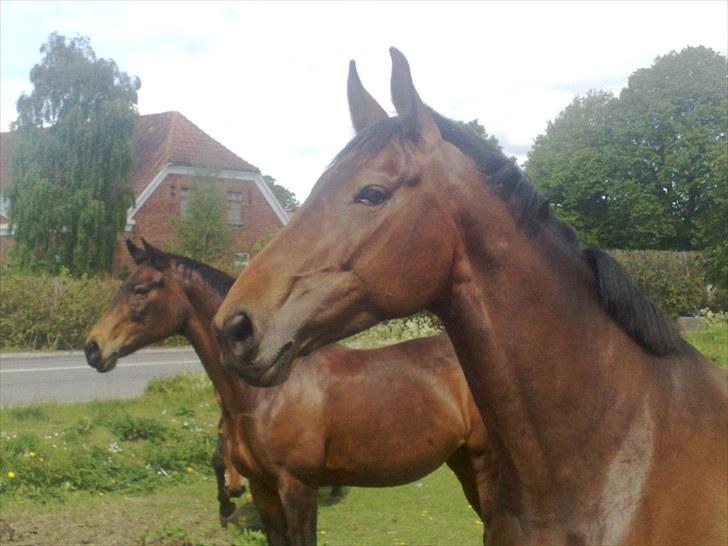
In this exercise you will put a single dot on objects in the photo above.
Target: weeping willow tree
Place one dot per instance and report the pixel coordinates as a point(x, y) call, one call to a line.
point(71, 160)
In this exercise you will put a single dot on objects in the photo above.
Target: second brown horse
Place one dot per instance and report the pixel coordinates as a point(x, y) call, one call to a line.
point(376, 418)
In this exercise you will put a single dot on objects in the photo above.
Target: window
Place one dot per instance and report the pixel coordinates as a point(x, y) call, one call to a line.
point(242, 259)
point(234, 207)
point(183, 201)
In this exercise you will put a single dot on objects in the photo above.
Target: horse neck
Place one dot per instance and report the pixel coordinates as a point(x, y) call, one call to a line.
point(545, 364)
point(204, 301)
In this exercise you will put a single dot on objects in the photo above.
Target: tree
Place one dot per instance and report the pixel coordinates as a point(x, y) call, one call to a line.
point(69, 189)
point(202, 232)
point(675, 115)
point(646, 169)
point(285, 197)
point(475, 126)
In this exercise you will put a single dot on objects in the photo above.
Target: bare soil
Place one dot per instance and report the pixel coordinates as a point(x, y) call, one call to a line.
point(174, 517)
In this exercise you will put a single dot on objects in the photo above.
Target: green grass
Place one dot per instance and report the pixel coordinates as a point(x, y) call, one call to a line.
point(712, 342)
point(138, 472)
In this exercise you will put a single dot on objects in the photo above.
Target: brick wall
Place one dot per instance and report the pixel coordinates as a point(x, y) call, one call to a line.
point(258, 219)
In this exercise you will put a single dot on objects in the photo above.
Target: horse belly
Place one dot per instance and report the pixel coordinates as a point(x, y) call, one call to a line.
point(377, 455)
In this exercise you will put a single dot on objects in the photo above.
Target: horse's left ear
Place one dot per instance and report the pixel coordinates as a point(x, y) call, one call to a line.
point(412, 112)
point(364, 110)
point(157, 258)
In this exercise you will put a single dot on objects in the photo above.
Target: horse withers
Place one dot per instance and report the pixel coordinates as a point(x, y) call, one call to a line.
point(344, 417)
point(609, 428)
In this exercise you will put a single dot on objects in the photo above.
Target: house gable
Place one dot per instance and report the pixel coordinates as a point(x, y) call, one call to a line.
point(165, 144)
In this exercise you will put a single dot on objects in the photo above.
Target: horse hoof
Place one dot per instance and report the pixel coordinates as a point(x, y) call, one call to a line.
point(232, 518)
point(227, 511)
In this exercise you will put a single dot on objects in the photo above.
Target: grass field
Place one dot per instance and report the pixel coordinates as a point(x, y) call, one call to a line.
point(137, 472)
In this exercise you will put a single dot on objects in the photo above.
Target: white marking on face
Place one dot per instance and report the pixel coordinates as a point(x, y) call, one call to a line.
point(626, 477)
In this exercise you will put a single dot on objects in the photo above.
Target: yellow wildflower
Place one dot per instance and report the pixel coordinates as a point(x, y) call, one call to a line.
point(189, 469)
point(11, 474)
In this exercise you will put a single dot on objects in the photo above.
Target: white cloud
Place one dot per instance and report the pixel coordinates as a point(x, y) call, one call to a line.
point(268, 79)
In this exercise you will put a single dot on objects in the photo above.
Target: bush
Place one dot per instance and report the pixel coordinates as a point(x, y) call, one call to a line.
point(47, 312)
point(675, 281)
point(422, 324)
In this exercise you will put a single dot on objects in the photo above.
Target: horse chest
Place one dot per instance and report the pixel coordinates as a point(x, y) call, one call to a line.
point(624, 484)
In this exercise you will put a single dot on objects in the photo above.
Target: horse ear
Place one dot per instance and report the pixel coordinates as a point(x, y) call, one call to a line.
point(364, 110)
point(413, 113)
point(137, 254)
point(157, 258)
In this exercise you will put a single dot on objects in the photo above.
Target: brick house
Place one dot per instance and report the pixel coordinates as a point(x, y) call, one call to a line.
point(170, 155)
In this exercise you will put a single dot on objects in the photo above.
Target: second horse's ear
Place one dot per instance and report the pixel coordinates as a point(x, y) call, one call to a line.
point(157, 258)
point(137, 254)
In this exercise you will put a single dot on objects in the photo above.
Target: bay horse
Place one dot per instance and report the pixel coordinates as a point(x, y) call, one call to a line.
point(608, 427)
point(375, 418)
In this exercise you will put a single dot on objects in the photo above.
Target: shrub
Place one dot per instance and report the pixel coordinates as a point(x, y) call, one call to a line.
point(46, 312)
point(392, 331)
point(675, 281)
point(129, 427)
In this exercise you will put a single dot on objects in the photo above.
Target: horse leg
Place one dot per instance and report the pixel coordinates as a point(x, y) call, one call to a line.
point(300, 506)
point(477, 472)
point(270, 509)
point(460, 463)
point(227, 508)
point(234, 485)
point(337, 493)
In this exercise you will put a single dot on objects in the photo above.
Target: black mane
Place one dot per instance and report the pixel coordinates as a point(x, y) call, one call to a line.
point(218, 280)
point(628, 306)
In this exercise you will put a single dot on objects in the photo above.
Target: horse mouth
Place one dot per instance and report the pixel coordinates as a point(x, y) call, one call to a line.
point(108, 364)
point(272, 374)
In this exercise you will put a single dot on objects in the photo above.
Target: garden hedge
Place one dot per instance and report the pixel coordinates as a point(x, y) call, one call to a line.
point(40, 312)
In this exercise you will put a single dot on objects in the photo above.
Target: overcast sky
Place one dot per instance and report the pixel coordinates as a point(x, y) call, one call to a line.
point(268, 80)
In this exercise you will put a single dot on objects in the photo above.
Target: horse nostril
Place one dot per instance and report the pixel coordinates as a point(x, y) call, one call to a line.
point(236, 336)
point(238, 327)
point(92, 351)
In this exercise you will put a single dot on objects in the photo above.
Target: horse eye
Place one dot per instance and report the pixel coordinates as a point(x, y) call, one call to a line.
point(142, 289)
point(372, 195)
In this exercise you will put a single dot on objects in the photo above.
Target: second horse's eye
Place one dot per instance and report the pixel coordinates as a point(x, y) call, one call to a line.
point(142, 289)
point(372, 195)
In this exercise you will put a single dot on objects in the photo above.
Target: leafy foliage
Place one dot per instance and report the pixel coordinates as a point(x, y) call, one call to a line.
point(46, 312)
point(71, 160)
point(203, 231)
point(285, 197)
point(475, 126)
point(674, 281)
point(647, 169)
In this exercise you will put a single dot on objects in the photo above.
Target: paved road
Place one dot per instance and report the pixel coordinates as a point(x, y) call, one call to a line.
point(65, 376)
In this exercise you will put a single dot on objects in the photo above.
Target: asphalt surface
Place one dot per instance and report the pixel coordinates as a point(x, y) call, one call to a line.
point(65, 377)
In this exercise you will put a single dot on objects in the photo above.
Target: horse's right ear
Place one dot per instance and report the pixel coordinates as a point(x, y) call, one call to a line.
point(137, 254)
point(364, 110)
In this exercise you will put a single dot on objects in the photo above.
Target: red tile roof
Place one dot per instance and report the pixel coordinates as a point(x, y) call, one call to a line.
point(163, 138)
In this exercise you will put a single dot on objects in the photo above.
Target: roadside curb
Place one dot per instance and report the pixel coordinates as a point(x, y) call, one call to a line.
point(52, 354)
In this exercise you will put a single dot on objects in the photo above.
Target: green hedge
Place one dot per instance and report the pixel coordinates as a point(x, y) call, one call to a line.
point(46, 312)
point(675, 281)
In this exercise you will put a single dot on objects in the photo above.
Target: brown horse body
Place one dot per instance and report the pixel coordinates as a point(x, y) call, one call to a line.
point(609, 428)
point(377, 418)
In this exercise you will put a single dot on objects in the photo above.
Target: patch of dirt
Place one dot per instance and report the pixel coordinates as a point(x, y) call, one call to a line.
point(174, 517)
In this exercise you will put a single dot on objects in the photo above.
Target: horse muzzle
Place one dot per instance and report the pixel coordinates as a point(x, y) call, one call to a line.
point(95, 359)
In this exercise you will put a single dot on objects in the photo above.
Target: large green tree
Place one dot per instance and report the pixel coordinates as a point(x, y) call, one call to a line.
point(69, 189)
point(646, 169)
